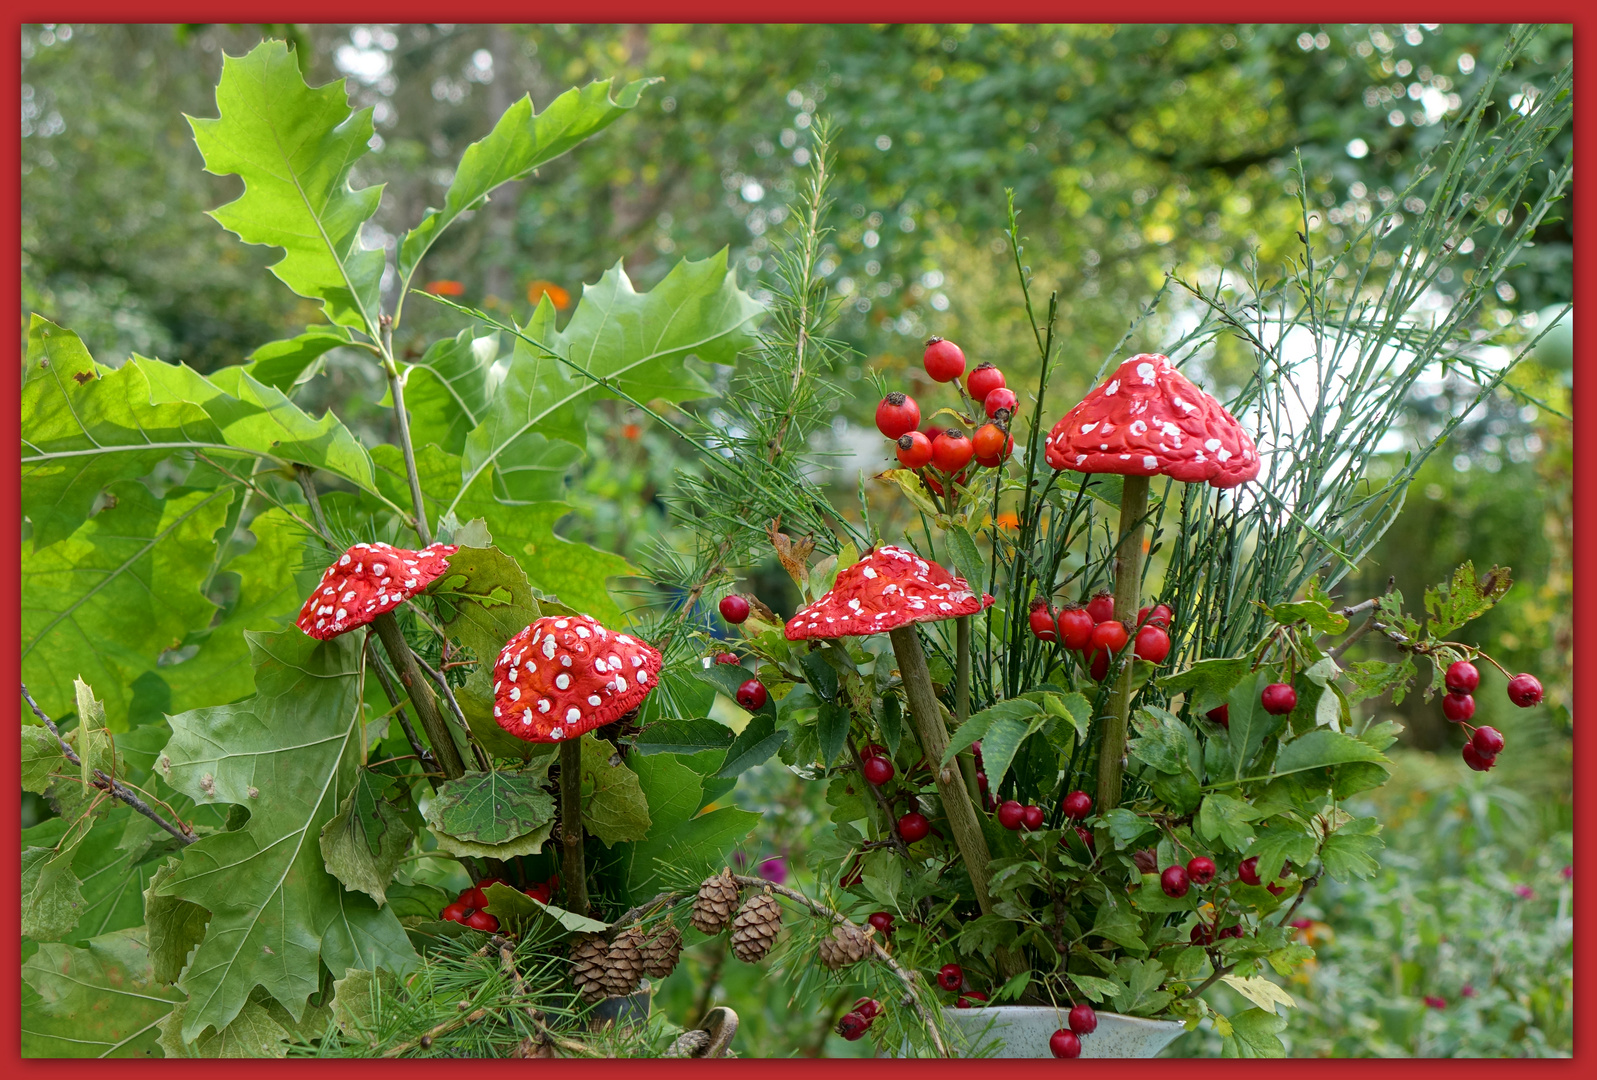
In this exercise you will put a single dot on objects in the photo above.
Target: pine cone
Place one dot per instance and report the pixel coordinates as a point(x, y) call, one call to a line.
point(754, 930)
point(590, 965)
point(717, 897)
point(660, 951)
point(846, 944)
point(625, 970)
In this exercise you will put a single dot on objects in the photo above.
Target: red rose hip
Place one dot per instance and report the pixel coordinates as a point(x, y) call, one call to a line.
point(1075, 626)
point(1462, 677)
point(914, 450)
point(992, 445)
point(1524, 690)
point(1278, 698)
point(734, 608)
point(999, 401)
point(1101, 607)
point(1153, 644)
point(983, 380)
point(944, 361)
point(1044, 626)
point(897, 415)
point(952, 451)
point(1174, 881)
point(1109, 635)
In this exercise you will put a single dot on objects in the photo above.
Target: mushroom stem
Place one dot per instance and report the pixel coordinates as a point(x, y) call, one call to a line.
point(933, 737)
point(573, 871)
point(1128, 588)
point(421, 695)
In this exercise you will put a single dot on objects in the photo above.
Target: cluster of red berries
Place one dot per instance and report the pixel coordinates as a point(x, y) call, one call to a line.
point(752, 694)
point(951, 977)
point(950, 450)
point(859, 1019)
point(1485, 743)
point(1093, 631)
point(1066, 1042)
point(469, 907)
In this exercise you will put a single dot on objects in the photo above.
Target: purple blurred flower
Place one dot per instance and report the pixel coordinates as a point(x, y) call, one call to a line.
point(774, 870)
point(1569, 872)
point(1435, 1002)
point(1468, 991)
point(741, 859)
point(1524, 892)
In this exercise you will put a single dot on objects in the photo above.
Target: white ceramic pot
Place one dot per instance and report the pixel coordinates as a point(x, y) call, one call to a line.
point(1022, 1031)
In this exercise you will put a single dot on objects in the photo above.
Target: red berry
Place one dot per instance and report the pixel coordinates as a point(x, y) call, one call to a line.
point(1044, 627)
point(481, 920)
point(1160, 615)
point(1031, 818)
point(944, 360)
point(482, 886)
point(992, 445)
point(999, 401)
point(883, 921)
point(1220, 715)
point(950, 976)
point(1279, 698)
point(1109, 635)
point(1462, 677)
point(752, 695)
point(1153, 644)
point(981, 779)
point(983, 380)
point(472, 897)
point(1524, 690)
point(1101, 607)
point(1458, 707)
point(914, 450)
point(1248, 871)
point(853, 875)
point(455, 912)
point(952, 451)
point(1201, 934)
point(1064, 1044)
point(1474, 760)
point(1173, 881)
point(913, 826)
point(1011, 814)
point(1086, 837)
point(1083, 1019)
point(897, 415)
point(1274, 889)
point(1100, 665)
point(1077, 805)
point(870, 750)
point(853, 1026)
point(540, 893)
point(1201, 870)
point(1488, 742)
point(1075, 627)
point(734, 609)
point(971, 999)
point(867, 1007)
point(727, 658)
point(877, 770)
point(1231, 931)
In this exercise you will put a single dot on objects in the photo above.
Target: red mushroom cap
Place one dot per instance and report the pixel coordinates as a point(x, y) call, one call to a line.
point(889, 587)
point(567, 674)
point(1149, 420)
point(368, 580)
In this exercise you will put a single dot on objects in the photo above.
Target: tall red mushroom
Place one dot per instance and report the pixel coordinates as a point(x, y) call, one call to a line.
point(1146, 420)
point(366, 581)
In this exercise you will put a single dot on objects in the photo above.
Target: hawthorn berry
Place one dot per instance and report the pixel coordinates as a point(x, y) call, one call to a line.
point(1077, 805)
point(867, 1007)
point(992, 445)
point(1462, 677)
point(913, 826)
point(1201, 870)
point(1109, 635)
point(1248, 871)
point(1064, 1044)
point(1031, 818)
point(1475, 760)
point(1275, 890)
point(481, 920)
point(1174, 881)
point(1153, 644)
point(482, 886)
point(944, 360)
point(883, 921)
point(1002, 400)
point(877, 770)
point(981, 779)
point(1083, 1019)
point(870, 750)
point(1458, 707)
point(752, 695)
point(971, 999)
point(1101, 607)
point(1158, 615)
point(1278, 698)
point(1488, 742)
point(1220, 715)
point(455, 912)
point(1011, 814)
point(950, 976)
point(541, 892)
point(1524, 690)
point(1201, 934)
point(1044, 627)
point(727, 658)
point(853, 1026)
point(1086, 837)
point(1075, 626)
point(897, 415)
point(1231, 931)
point(734, 608)
point(983, 380)
point(914, 450)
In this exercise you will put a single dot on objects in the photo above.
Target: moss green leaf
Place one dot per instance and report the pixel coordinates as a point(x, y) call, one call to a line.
point(358, 1001)
point(1351, 851)
point(446, 390)
point(363, 842)
point(681, 838)
point(97, 1000)
point(251, 1034)
point(1250, 724)
point(288, 362)
point(1321, 748)
point(679, 737)
point(490, 808)
point(613, 806)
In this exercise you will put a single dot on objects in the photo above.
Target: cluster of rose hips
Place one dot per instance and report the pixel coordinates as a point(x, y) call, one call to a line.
point(1066, 1042)
point(859, 1019)
point(752, 694)
point(1092, 630)
point(1485, 743)
point(948, 451)
point(469, 907)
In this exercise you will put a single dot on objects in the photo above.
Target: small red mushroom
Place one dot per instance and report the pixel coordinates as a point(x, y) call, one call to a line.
point(368, 580)
point(567, 674)
point(889, 587)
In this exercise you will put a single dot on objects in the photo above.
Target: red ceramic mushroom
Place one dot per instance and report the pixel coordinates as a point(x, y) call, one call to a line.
point(889, 587)
point(567, 674)
point(368, 580)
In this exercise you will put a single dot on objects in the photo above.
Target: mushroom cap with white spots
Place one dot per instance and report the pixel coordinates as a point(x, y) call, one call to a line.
point(567, 674)
point(368, 580)
point(889, 587)
point(1148, 420)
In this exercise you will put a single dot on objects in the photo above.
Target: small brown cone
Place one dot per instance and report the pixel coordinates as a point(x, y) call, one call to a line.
point(846, 944)
point(754, 930)
point(625, 969)
point(660, 951)
point(718, 896)
point(590, 965)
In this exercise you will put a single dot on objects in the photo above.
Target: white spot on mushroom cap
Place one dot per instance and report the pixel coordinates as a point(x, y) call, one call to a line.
point(543, 705)
point(593, 699)
point(573, 714)
point(1145, 372)
point(1150, 462)
point(562, 681)
point(549, 647)
point(1211, 445)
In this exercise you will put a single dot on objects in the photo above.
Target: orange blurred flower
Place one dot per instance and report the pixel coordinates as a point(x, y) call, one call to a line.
point(445, 288)
point(1009, 520)
point(557, 296)
point(631, 431)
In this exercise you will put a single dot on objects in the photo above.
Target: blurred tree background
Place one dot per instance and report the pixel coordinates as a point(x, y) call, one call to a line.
point(1131, 150)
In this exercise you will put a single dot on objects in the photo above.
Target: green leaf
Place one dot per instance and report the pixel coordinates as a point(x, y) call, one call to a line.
point(1464, 599)
point(251, 1034)
point(1180, 792)
point(1093, 987)
point(446, 391)
point(1207, 683)
point(52, 896)
point(1250, 724)
point(174, 927)
point(975, 727)
point(1117, 923)
point(40, 757)
point(682, 737)
point(363, 843)
point(1261, 991)
point(1162, 741)
point(967, 557)
point(832, 724)
point(290, 756)
point(1126, 827)
point(882, 874)
point(1227, 820)
point(288, 362)
point(1278, 844)
point(754, 745)
point(294, 146)
point(1319, 618)
point(1350, 852)
point(690, 844)
point(1322, 747)
point(1373, 678)
point(95, 753)
point(100, 1000)
point(490, 808)
point(1253, 1035)
point(1139, 992)
point(538, 919)
point(520, 142)
point(1150, 896)
point(613, 806)
point(358, 1002)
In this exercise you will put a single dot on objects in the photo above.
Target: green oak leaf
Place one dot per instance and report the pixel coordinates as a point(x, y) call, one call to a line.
point(288, 362)
point(251, 1034)
point(613, 806)
point(174, 927)
point(294, 146)
point(96, 1000)
point(290, 755)
point(446, 391)
point(52, 896)
point(362, 843)
point(41, 758)
point(489, 809)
